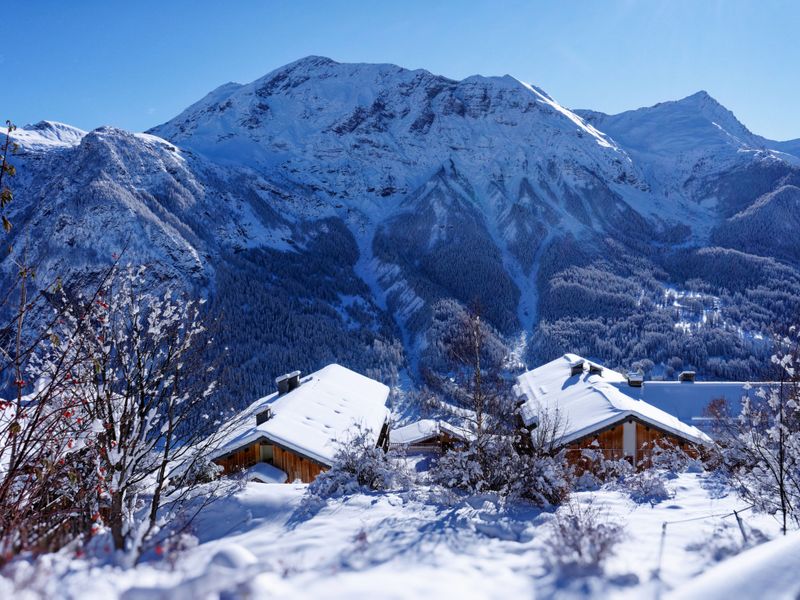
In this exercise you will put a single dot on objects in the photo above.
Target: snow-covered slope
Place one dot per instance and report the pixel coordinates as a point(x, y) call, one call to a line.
point(364, 132)
point(691, 147)
point(487, 159)
point(263, 541)
point(48, 134)
point(767, 571)
point(86, 197)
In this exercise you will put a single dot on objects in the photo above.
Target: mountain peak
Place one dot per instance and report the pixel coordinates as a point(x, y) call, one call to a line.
point(701, 95)
point(700, 100)
point(47, 134)
point(311, 61)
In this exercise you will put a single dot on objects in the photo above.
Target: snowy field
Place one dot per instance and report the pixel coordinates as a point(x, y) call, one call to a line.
point(264, 541)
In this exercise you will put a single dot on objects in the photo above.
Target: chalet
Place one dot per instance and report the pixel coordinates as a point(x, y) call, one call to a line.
point(426, 436)
point(293, 433)
point(595, 409)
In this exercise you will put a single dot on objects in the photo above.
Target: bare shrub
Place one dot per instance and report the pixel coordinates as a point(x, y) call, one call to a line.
point(581, 540)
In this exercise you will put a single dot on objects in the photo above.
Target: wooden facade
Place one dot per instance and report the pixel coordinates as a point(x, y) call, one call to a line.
point(637, 448)
point(296, 466)
point(609, 441)
point(242, 458)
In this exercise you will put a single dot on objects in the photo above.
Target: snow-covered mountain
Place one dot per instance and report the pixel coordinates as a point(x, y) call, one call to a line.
point(691, 148)
point(326, 207)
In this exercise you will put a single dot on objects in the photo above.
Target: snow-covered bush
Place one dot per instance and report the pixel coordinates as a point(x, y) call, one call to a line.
point(458, 469)
point(726, 540)
point(646, 486)
point(593, 469)
point(581, 540)
point(499, 457)
point(360, 465)
point(544, 480)
point(199, 471)
point(672, 460)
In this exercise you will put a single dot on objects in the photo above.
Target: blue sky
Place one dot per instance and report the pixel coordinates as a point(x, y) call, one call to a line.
point(135, 64)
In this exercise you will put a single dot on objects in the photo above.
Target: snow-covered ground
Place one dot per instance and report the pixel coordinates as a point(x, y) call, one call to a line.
point(263, 541)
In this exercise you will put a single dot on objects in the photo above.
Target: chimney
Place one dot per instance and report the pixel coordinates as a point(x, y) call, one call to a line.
point(283, 384)
point(293, 380)
point(635, 378)
point(264, 415)
point(686, 377)
point(576, 366)
point(595, 369)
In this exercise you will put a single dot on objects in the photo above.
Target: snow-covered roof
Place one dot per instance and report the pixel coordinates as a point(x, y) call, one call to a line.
point(689, 401)
point(423, 430)
point(311, 418)
point(586, 402)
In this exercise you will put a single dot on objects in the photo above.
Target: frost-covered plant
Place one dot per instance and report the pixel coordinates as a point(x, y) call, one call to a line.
point(144, 383)
point(594, 469)
point(542, 479)
point(672, 460)
point(458, 469)
point(360, 465)
point(118, 417)
point(646, 486)
point(760, 447)
point(48, 478)
point(726, 540)
point(498, 457)
point(199, 470)
point(581, 540)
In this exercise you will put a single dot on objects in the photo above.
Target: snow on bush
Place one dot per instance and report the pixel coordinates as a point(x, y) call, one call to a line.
point(498, 466)
point(594, 469)
point(581, 540)
point(544, 480)
point(360, 465)
point(760, 447)
point(726, 540)
point(673, 461)
point(199, 471)
point(458, 469)
point(647, 486)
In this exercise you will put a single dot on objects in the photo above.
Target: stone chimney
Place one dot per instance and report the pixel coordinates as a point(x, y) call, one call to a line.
point(293, 380)
point(282, 382)
point(264, 415)
point(635, 378)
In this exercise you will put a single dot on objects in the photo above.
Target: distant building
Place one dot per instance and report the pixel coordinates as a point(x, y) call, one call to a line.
point(427, 436)
point(600, 409)
point(293, 433)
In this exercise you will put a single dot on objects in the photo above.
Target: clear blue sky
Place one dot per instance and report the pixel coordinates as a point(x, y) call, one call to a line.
point(137, 63)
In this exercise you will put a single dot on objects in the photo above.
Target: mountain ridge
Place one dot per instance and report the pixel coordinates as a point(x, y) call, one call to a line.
point(353, 199)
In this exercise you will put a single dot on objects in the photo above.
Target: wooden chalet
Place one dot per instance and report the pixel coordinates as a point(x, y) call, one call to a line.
point(596, 408)
point(426, 436)
point(292, 435)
